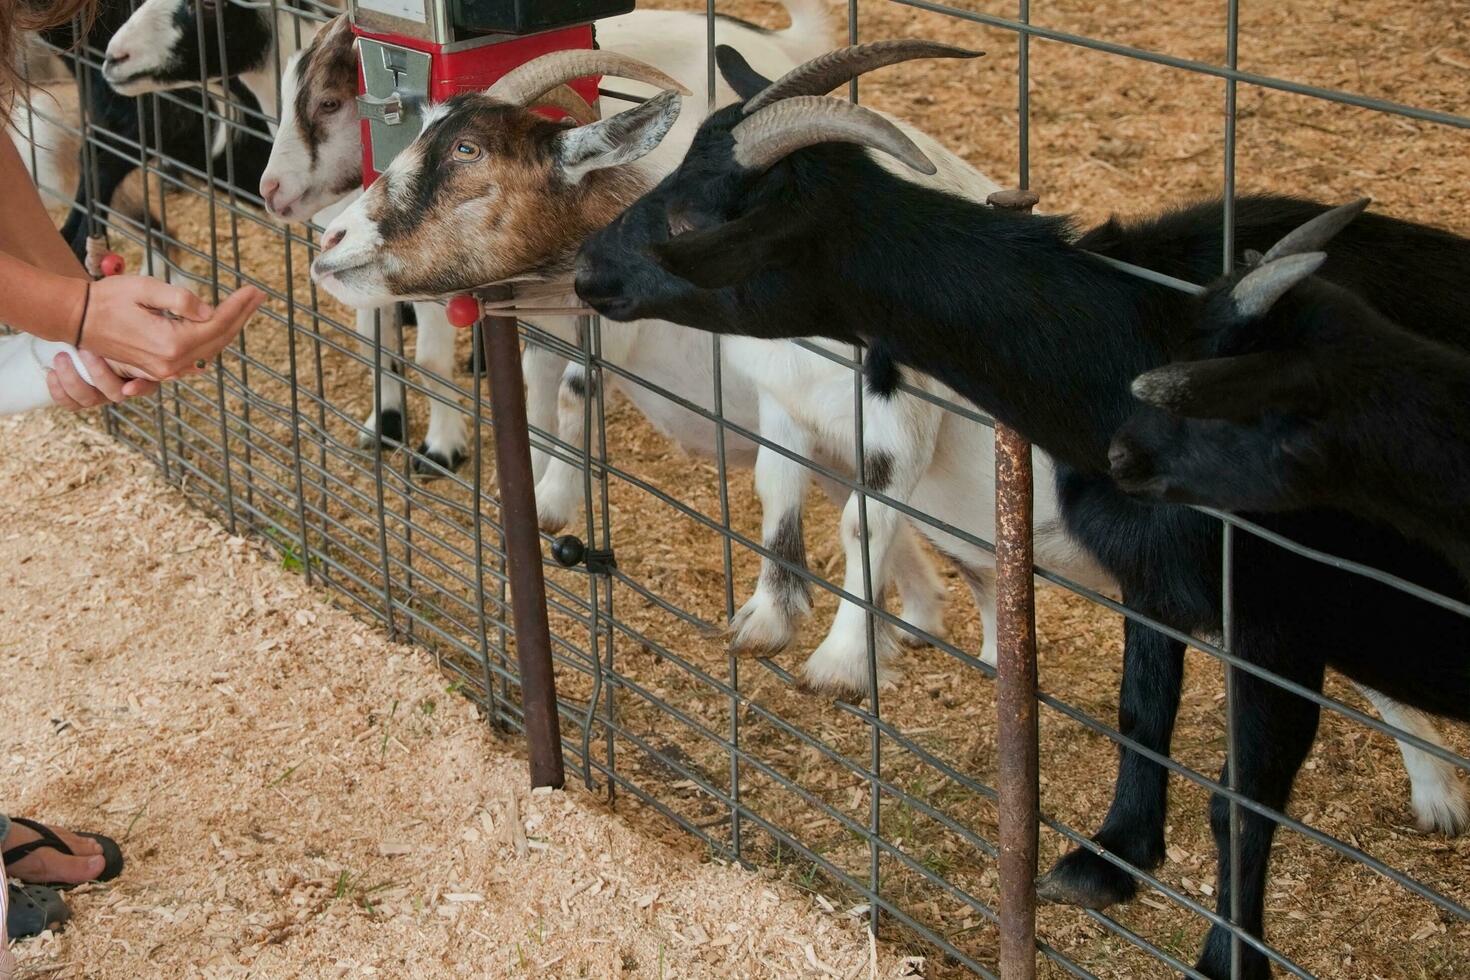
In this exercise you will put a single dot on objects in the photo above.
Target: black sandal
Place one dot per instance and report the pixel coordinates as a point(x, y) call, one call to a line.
point(111, 854)
point(32, 909)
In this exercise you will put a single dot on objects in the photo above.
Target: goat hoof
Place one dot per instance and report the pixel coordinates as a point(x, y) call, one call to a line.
point(911, 640)
point(839, 666)
point(764, 627)
point(1447, 812)
point(388, 430)
point(836, 692)
point(1214, 959)
point(390, 427)
point(434, 464)
point(1086, 880)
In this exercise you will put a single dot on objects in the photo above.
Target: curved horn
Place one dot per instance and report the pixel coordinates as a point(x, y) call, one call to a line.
point(1315, 234)
point(529, 82)
point(824, 73)
point(1261, 288)
point(565, 98)
point(806, 120)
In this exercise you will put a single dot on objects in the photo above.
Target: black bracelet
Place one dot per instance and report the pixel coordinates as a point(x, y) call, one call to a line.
point(86, 301)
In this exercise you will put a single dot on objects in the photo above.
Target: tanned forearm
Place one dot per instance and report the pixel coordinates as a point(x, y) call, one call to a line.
point(26, 230)
point(42, 289)
point(40, 303)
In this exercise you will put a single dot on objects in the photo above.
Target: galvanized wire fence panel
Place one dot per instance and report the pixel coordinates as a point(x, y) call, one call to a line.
point(885, 805)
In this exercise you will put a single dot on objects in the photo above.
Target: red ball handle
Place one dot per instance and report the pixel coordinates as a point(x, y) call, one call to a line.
point(463, 311)
point(112, 264)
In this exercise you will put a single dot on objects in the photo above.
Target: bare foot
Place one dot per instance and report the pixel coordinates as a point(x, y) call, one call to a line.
point(47, 864)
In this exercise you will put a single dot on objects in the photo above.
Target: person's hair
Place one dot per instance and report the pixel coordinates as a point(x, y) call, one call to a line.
point(19, 16)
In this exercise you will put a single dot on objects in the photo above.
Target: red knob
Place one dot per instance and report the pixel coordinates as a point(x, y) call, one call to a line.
point(112, 264)
point(463, 310)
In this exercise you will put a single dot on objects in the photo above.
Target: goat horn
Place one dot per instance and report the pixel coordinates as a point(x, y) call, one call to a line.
point(565, 98)
point(1259, 290)
point(824, 73)
point(526, 84)
point(805, 120)
point(1315, 234)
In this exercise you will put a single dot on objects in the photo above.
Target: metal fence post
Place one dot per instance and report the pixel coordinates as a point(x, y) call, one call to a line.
point(523, 548)
point(1017, 737)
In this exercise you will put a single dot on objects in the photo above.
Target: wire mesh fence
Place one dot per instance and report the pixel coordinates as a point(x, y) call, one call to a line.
point(884, 803)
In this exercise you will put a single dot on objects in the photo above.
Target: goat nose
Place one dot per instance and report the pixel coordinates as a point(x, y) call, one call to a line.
point(592, 286)
point(115, 58)
point(1127, 461)
point(268, 190)
point(334, 239)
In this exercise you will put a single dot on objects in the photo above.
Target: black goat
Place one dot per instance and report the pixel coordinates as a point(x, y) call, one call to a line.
point(120, 123)
point(1329, 404)
point(785, 235)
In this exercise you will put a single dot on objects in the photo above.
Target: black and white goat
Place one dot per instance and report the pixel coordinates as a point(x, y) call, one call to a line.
point(120, 123)
point(1335, 406)
point(176, 44)
point(775, 226)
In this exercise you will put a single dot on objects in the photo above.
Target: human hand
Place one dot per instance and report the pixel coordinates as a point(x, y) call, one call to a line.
point(160, 329)
point(109, 382)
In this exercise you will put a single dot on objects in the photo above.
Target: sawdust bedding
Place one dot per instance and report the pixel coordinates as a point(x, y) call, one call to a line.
point(1107, 135)
point(298, 797)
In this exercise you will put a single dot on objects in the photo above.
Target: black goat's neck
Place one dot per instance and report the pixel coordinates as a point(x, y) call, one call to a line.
point(1422, 432)
point(1001, 307)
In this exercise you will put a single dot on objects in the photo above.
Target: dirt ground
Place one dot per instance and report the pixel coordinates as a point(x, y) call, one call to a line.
point(297, 797)
point(1108, 135)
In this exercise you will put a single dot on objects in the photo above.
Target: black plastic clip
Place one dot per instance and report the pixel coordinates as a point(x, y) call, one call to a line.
point(569, 552)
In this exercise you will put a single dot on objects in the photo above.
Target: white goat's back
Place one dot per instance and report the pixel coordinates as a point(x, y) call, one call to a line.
point(647, 36)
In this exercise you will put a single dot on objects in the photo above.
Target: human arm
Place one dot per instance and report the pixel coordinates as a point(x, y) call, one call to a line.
point(45, 292)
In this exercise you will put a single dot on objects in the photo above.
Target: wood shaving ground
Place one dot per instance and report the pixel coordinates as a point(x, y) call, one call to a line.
point(280, 818)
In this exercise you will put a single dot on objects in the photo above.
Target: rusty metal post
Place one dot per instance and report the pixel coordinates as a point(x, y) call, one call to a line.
point(523, 548)
point(1017, 738)
point(1016, 741)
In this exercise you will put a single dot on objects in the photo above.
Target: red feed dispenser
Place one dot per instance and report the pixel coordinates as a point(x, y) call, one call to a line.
point(416, 52)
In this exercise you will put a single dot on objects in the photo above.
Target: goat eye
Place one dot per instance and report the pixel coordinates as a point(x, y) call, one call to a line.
point(329, 105)
point(465, 151)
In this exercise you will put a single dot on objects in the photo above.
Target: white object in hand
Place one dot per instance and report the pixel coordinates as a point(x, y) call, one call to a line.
point(24, 361)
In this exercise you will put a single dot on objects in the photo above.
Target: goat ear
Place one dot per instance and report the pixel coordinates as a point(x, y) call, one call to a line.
point(726, 254)
point(621, 139)
point(745, 80)
point(1234, 388)
point(1259, 289)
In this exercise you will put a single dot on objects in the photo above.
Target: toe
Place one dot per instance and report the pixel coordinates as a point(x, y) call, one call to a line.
point(51, 866)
